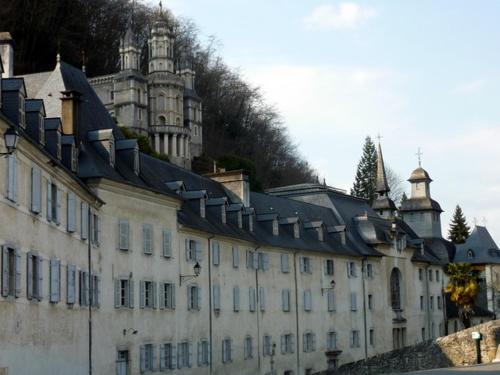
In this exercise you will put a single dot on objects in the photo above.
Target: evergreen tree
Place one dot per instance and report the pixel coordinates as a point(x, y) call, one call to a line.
point(404, 198)
point(365, 180)
point(459, 230)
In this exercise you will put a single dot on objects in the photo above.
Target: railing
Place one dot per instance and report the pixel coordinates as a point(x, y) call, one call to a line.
point(170, 129)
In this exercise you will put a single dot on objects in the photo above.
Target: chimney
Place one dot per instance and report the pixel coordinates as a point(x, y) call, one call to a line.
point(236, 182)
point(7, 53)
point(70, 114)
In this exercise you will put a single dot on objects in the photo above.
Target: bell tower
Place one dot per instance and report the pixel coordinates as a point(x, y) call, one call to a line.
point(161, 46)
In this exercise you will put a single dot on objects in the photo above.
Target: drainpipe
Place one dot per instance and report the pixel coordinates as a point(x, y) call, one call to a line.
point(443, 305)
point(296, 309)
point(363, 270)
point(427, 300)
point(210, 323)
point(257, 309)
point(89, 250)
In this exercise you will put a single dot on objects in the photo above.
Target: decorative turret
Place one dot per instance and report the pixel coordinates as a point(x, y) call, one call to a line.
point(129, 52)
point(161, 45)
point(382, 203)
point(422, 213)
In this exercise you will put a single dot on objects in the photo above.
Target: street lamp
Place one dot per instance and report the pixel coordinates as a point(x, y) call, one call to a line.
point(11, 137)
point(196, 269)
point(131, 330)
point(332, 286)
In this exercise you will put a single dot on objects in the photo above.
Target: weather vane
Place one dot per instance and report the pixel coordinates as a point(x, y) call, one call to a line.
point(419, 156)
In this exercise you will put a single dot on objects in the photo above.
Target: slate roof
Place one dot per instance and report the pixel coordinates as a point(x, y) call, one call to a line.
point(484, 249)
point(420, 204)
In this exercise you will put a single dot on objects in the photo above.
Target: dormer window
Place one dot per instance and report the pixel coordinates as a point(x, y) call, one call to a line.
point(319, 230)
point(275, 227)
point(296, 230)
point(202, 207)
point(250, 223)
point(112, 152)
point(41, 129)
point(470, 254)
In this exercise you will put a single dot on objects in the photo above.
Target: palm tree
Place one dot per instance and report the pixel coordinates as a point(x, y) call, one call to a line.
point(463, 288)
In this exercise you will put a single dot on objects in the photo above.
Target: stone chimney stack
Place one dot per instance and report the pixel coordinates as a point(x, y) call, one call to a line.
point(70, 113)
point(7, 54)
point(236, 182)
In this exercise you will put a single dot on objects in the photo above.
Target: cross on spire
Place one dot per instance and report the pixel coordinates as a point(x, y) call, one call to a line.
point(419, 156)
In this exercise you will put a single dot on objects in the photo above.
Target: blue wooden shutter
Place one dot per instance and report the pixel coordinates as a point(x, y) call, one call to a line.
point(198, 251)
point(189, 255)
point(154, 358)
point(36, 190)
point(331, 300)
point(236, 298)
point(58, 206)
point(190, 355)
point(12, 178)
point(17, 267)
point(142, 294)
point(71, 284)
point(71, 212)
point(173, 363)
point(123, 234)
point(198, 294)
point(30, 285)
point(189, 297)
point(215, 253)
point(84, 220)
point(162, 357)
point(162, 301)
point(49, 201)
point(236, 257)
point(200, 353)
point(131, 293)
point(173, 295)
point(5, 271)
point(266, 261)
point(353, 302)
point(262, 299)
point(167, 243)
point(142, 358)
point(155, 294)
point(40, 277)
point(54, 280)
point(216, 295)
point(118, 293)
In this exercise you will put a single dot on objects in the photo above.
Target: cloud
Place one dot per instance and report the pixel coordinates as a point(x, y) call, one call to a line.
point(469, 88)
point(344, 16)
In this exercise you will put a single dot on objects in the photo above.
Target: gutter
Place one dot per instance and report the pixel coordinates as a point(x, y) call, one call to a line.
point(257, 308)
point(210, 312)
point(427, 300)
point(363, 271)
point(296, 309)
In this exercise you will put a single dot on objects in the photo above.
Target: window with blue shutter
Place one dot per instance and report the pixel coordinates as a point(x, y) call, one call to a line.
point(215, 253)
point(198, 254)
point(147, 238)
point(71, 212)
point(285, 268)
point(236, 257)
point(167, 243)
point(12, 177)
point(49, 201)
point(216, 296)
point(354, 306)
point(58, 198)
point(252, 299)
point(123, 234)
point(36, 190)
point(285, 298)
point(84, 213)
point(11, 271)
point(236, 299)
point(39, 281)
point(17, 270)
point(307, 300)
point(262, 299)
point(55, 280)
point(331, 300)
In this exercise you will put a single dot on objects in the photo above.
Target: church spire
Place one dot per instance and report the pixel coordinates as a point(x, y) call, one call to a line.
point(382, 186)
point(382, 203)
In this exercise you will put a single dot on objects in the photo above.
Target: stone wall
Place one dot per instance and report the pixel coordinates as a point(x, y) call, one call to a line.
point(457, 349)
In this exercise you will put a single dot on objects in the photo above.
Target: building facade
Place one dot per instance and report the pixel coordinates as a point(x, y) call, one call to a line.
point(188, 274)
point(161, 104)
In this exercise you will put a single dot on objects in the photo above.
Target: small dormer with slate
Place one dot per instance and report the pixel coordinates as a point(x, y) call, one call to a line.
point(338, 231)
point(53, 128)
point(318, 227)
point(218, 207)
point(196, 200)
point(104, 142)
point(270, 221)
point(69, 152)
point(176, 186)
point(128, 151)
point(249, 218)
point(35, 117)
point(235, 214)
point(13, 98)
point(291, 225)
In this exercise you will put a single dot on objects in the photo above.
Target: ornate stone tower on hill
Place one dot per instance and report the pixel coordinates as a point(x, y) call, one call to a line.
point(422, 213)
point(161, 104)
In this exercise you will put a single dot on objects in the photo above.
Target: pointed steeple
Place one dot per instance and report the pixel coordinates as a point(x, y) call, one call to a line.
point(382, 203)
point(382, 186)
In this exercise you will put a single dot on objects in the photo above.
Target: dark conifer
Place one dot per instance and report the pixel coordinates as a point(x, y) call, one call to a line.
point(459, 230)
point(364, 182)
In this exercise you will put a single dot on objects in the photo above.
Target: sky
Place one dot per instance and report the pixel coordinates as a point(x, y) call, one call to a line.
point(419, 73)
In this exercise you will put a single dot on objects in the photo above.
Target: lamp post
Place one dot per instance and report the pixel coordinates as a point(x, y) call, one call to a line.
point(11, 138)
point(196, 269)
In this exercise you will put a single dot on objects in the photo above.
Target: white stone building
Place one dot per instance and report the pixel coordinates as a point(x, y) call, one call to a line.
point(191, 274)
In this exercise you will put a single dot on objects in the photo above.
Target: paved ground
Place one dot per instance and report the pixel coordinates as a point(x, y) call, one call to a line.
point(489, 369)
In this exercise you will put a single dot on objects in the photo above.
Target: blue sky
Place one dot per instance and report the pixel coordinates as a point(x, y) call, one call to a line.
point(422, 74)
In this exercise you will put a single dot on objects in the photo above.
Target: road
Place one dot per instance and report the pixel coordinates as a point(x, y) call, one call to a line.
point(489, 369)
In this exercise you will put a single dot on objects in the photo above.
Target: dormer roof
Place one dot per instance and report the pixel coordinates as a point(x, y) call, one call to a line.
point(419, 174)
